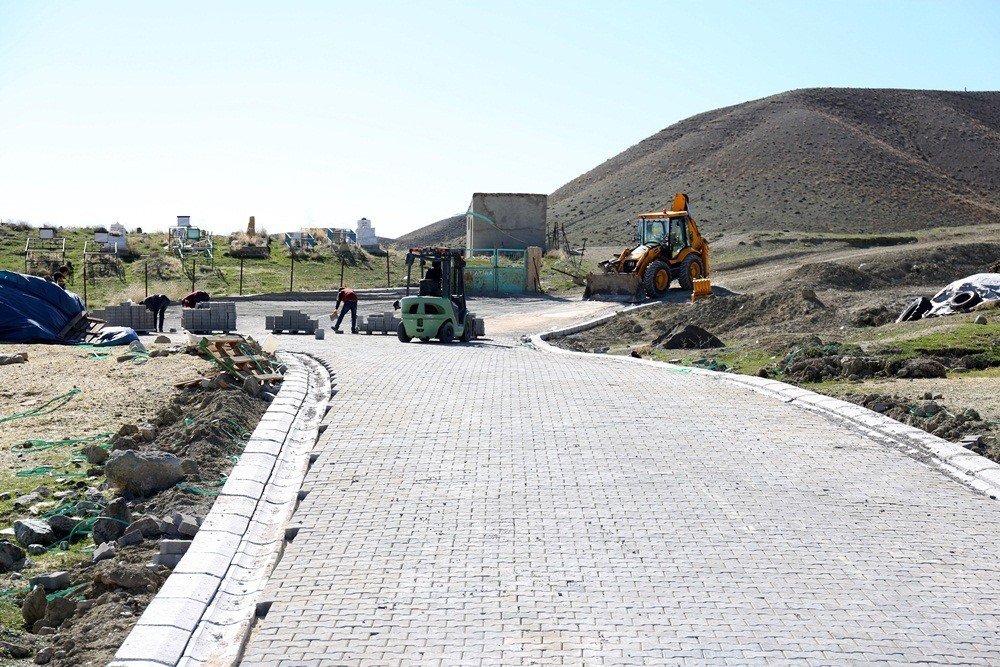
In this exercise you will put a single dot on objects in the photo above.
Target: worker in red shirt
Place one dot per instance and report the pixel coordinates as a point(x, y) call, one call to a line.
point(349, 298)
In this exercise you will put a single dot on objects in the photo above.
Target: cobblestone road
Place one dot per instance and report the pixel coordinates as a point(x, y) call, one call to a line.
point(495, 504)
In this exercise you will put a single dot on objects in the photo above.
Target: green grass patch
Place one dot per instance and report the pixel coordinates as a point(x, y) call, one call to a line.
point(10, 614)
point(962, 340)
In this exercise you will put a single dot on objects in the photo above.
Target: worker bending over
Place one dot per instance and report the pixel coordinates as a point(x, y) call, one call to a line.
point(349, 298)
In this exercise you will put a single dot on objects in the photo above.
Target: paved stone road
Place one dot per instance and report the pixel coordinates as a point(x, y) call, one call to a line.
point(495, 504)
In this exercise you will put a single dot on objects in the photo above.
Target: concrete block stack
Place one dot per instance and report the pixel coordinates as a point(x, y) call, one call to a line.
point(210, 316)
point(382, 323)
point(292, 321)
point(127, 314)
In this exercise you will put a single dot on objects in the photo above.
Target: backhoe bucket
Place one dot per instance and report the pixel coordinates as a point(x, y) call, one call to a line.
point(614, 287)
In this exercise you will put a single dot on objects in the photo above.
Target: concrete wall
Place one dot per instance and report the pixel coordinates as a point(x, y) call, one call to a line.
point(519, 221)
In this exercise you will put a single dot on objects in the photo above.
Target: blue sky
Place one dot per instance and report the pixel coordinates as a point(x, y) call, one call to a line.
point(321, 112)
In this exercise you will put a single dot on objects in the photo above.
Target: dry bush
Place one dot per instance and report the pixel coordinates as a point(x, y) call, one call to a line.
point(164, 267)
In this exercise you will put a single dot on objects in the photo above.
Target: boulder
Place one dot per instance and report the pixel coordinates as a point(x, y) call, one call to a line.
point(11, 557)
point(148, 526)
point(95, 454)
point(104, 551)
point(112, 522)
point(688, 336)
point(141, 473)
point(54, 581)
point(33, 607)
point(162, 339)
point(58, 610)
point(923, 368)
point(33, 531)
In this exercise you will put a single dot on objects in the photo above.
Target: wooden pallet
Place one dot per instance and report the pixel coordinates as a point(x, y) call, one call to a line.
point(82, 328)
point(234, 355)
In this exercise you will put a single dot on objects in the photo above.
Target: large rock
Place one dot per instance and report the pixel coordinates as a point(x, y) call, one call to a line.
point(63, 524)
point(112, 522)
point(11, 557)
point(33, 531)
point(95, 454)
point(141, 473)
point(923, 368)
point(688, 336)
point(58, 610)
point(34, 605)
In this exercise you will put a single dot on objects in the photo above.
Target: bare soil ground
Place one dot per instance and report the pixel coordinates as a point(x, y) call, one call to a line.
point(204, 428)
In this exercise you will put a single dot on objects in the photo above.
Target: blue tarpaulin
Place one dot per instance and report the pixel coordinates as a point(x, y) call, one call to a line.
point(34, 310)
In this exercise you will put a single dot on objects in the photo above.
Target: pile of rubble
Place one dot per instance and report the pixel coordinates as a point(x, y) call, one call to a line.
point(966, 426)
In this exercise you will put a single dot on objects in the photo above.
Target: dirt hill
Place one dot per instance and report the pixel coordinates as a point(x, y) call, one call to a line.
point(450, 231)
point(824, 160)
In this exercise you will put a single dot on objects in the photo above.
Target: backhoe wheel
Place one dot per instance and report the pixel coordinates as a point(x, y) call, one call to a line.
point(401, 333)
point(656, 279)
point(692, 269)
point(446, 333)
point(467, 330)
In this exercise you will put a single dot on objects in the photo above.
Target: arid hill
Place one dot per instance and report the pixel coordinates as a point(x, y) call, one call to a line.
point(822, 160)
point(450, 231)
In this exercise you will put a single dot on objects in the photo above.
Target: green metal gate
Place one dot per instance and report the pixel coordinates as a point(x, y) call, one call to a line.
point(496, 271)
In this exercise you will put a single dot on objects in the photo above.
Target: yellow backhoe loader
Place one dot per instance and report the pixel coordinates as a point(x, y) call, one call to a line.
point(670, 249)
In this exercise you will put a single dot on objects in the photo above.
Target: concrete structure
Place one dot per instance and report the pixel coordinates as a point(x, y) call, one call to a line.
point(366, 234)
point(506, 220)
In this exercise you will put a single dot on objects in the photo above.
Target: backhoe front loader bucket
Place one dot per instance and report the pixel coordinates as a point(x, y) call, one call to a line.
point(614, 287)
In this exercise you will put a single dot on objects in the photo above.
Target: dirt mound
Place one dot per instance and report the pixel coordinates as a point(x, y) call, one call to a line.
point(842, 160)
point(829, 275)
point(687, 336)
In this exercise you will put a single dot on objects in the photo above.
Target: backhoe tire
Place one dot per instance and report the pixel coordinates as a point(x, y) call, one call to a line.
point(656, 279)
point(446, 333)
point(401, 334)
point(691, 268)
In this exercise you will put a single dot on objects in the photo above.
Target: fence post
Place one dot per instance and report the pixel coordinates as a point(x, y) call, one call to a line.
point(388, 281)
point(341, 270)
point(85, 284)
point(145, 271)
point(291, 277)
point(194, 271)
point(241, 276)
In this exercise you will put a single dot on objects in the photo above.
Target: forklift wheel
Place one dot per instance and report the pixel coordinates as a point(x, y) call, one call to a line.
point(446, 333)
point(401, 333)
point(467, 330)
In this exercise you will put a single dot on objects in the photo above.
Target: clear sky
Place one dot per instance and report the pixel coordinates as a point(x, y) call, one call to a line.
point(318, 113)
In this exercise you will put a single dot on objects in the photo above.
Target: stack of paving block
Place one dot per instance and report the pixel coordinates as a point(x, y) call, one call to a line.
point(292, 321)
point(128, 314)
point(382, 323)
point(478, 325)
point(210, 316)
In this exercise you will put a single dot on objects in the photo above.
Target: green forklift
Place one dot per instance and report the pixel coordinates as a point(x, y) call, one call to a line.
point(439, 311)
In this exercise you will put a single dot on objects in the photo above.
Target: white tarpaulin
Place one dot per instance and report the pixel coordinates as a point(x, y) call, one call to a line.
point(986, 285)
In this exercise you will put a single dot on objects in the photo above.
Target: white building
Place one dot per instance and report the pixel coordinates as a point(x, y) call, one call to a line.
point(366, 234)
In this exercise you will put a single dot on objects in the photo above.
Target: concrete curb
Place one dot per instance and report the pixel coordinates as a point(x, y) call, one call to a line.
point(320, 295)
point(205, 610)
point(965, 466)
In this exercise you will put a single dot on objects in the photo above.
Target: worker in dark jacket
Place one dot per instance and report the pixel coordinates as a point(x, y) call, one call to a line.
point(157, 304)
point(349, 298)
point(194, 298)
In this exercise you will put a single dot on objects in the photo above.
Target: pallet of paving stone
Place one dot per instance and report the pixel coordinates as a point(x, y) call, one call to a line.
point(127, 314)
point(290, 321)
point(210, 316)
point(381, 323)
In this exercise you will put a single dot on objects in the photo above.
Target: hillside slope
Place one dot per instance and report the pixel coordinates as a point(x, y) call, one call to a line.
point(450, 231)
point(829, 160)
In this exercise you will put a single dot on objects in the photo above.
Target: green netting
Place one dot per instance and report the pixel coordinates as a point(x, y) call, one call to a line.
point(48, 407)
point(42, 445)
point(64, 592)
point(11, 592)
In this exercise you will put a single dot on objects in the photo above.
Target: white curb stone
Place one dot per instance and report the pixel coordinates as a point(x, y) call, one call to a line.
point(205, 610)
